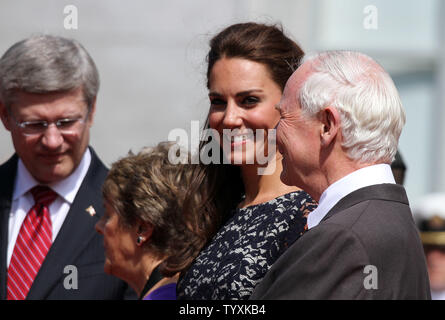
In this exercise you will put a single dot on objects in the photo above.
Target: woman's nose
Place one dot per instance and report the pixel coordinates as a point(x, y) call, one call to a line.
point(99, 227)
point(232, 115)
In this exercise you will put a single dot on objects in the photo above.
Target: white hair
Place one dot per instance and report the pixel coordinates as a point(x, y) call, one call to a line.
point(371, 113)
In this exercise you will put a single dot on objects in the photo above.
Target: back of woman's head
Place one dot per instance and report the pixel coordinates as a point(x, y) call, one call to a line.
point(266, 44)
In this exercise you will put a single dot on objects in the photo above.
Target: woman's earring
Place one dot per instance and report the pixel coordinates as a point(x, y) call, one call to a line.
point(139, 240)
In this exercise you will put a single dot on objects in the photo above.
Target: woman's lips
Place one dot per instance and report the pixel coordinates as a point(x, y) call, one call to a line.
point(239, 139)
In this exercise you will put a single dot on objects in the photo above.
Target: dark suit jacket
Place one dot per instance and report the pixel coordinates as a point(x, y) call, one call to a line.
point(370, 226)
point(76, 244)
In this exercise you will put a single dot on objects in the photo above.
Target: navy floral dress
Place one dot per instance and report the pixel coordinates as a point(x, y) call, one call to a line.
point(244, 249)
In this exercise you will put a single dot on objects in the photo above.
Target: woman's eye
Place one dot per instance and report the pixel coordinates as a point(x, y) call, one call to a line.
point(217, 102)
point(250, 100)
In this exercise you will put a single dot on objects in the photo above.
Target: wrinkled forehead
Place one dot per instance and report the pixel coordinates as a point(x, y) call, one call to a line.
point(23, 99)
point(48, 105)
point(18, 97)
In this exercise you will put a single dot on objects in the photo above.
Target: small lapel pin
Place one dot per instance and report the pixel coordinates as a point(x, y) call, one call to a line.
point(91, 210)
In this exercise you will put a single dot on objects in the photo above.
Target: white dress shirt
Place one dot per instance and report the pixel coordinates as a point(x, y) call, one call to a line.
point(22, 199)
point(368, 176)
point(437, 295)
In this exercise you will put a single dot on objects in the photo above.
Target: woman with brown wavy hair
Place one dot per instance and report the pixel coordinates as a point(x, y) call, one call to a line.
point(157, 218)
point(248, 66)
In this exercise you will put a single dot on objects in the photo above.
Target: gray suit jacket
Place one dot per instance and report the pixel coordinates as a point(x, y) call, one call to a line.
point(372, 226)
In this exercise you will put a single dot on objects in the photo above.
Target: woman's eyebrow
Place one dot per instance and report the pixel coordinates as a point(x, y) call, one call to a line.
point(247, 92)
point(239, 94)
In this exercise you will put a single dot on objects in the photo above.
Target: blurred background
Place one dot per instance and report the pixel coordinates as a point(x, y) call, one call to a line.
point(151, 59)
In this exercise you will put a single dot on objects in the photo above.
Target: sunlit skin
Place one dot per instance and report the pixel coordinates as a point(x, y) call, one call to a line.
point(311, 145)
point(50, 156)
point(119, 242)
point(298, 136)
point(243, 97)
point(125, 258)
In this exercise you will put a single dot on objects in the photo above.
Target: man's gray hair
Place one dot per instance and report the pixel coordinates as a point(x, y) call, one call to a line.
point(372, 116)
point(45, 64)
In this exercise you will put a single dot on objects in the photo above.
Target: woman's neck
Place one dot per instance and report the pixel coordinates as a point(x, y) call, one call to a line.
point(145, 269)
point(263, 187)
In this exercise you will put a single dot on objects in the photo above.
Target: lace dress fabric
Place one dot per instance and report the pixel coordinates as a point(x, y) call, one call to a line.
point(244, 249)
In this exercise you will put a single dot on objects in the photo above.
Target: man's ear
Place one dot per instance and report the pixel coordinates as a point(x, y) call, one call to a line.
point(330, 119)
point(144, 232)
point(4, 115)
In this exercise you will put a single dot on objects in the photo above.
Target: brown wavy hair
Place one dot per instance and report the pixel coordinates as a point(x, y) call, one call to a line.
point(174, 198)
point(265, 44)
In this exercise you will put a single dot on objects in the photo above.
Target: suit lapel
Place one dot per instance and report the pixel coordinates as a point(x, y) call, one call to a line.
point(76, 232)
point(7, 177)
point(386, 191)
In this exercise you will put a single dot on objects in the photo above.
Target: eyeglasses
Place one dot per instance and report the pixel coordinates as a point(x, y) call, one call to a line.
point(65, 126)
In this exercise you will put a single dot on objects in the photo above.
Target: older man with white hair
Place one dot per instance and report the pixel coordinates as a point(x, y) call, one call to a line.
point(341, 118)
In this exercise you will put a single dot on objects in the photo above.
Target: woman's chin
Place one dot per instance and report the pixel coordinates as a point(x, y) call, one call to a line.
point(242, 161)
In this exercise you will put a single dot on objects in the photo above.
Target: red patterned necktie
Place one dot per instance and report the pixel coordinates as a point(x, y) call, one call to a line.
point(32, 245)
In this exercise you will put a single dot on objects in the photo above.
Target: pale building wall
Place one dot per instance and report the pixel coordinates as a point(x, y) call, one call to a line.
point(151, 58)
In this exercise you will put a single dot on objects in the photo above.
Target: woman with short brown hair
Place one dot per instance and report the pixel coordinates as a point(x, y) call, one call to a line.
point(157, 218)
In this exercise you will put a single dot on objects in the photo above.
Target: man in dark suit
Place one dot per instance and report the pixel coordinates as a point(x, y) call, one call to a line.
point(341, 118)
point(50, 190)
